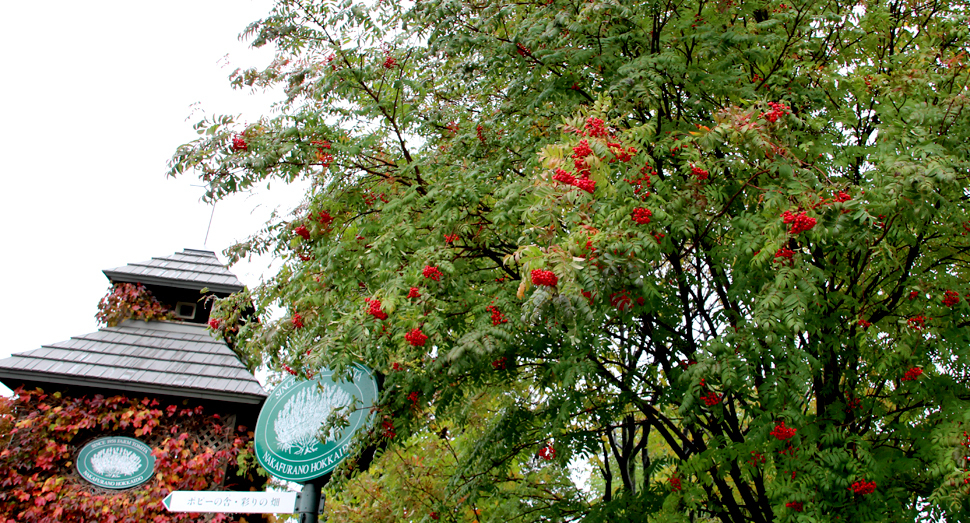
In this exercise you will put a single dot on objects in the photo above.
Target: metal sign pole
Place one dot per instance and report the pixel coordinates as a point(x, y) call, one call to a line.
point(311, 500)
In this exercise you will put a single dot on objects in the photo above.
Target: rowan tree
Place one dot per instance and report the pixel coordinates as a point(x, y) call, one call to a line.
point(716, 249)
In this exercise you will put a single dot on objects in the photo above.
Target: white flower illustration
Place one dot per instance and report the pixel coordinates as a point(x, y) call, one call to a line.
point(298, 422)
point(115, 462)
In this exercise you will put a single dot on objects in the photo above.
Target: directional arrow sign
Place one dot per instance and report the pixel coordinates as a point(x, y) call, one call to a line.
point(231, 502)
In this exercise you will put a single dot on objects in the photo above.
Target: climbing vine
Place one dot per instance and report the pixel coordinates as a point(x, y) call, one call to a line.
point(41, 434)
point(126, 301)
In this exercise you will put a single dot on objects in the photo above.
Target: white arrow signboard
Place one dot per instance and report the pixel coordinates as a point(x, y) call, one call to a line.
point(231, 502)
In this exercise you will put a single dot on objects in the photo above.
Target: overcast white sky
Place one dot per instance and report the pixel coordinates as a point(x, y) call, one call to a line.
point(95, 98)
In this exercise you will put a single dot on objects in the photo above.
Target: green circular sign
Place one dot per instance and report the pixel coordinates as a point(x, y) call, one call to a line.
point(116, 462)
point(289, 442)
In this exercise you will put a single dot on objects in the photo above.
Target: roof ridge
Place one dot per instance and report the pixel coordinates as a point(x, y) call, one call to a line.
point(116, 366)
point(145, 264)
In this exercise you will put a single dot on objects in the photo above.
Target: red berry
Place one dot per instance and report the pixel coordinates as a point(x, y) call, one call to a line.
point(416, 338)
point(641, 215)
point(800, 222)
point(547, 278)
point(239, 143)
point(375, 309)
point(586, 184)
point(547, 453)
point(564, 177)
point(782, 432)
point(863, 487)
point(711, 399)
point(214, 323)
point(414, 293)
point(432, 273)
point(951, 298)
point(582, 150)
point(912, 374)
point(302, 232)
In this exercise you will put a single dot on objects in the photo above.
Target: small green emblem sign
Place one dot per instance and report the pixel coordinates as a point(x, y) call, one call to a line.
point(116, 462)
point(289, 441)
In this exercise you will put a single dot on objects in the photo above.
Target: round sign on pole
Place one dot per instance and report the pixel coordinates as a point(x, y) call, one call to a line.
point(116, 462)
point(289, 442)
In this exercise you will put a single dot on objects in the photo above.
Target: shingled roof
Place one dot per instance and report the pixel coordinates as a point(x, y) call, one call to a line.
point(171, 358)
point(189, 269)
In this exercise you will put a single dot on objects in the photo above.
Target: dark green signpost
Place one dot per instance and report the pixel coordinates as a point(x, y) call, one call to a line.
point(116, 462)
point(289, 442)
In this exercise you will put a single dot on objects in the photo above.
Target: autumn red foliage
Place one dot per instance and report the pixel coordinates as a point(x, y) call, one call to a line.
point(40, 433)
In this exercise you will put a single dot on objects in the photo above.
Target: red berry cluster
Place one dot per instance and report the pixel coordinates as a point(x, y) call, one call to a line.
point(388, 429)
point(374, 309)
point(497, 317)
point(675, 483)
point(582, 150)
point(451, 238)
point(842, 197)
point(913, 295)
point(794, 505)
point(585, 184)
point(297, 320)
point(863, 487)
point(214, 323)
point(951, 298)
point(239, 143)
point(699, 173)
point(800, 222)
point(782, 432)
point(756, 458)
point(432, 273)
point(784, 256)
point(413, 398)
point(777, 111)
point(642, 184)
point(864, 324)
point(434, 516)
point(547, 278)
point(500, 363)
point(619, 153)
point(912, 374)
point(389, 62)
point(413, 293)
point(302, 232)
point(564, 177)
point(289, 369)
point(416, 338)
point(641, 215)
point(547, 453)
point(322, 152)
point(480, 131)
point(396, 366)
point(594, 127)
point(622, 301)
point(324, 218)
point(917, 322)
point(711, 399)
